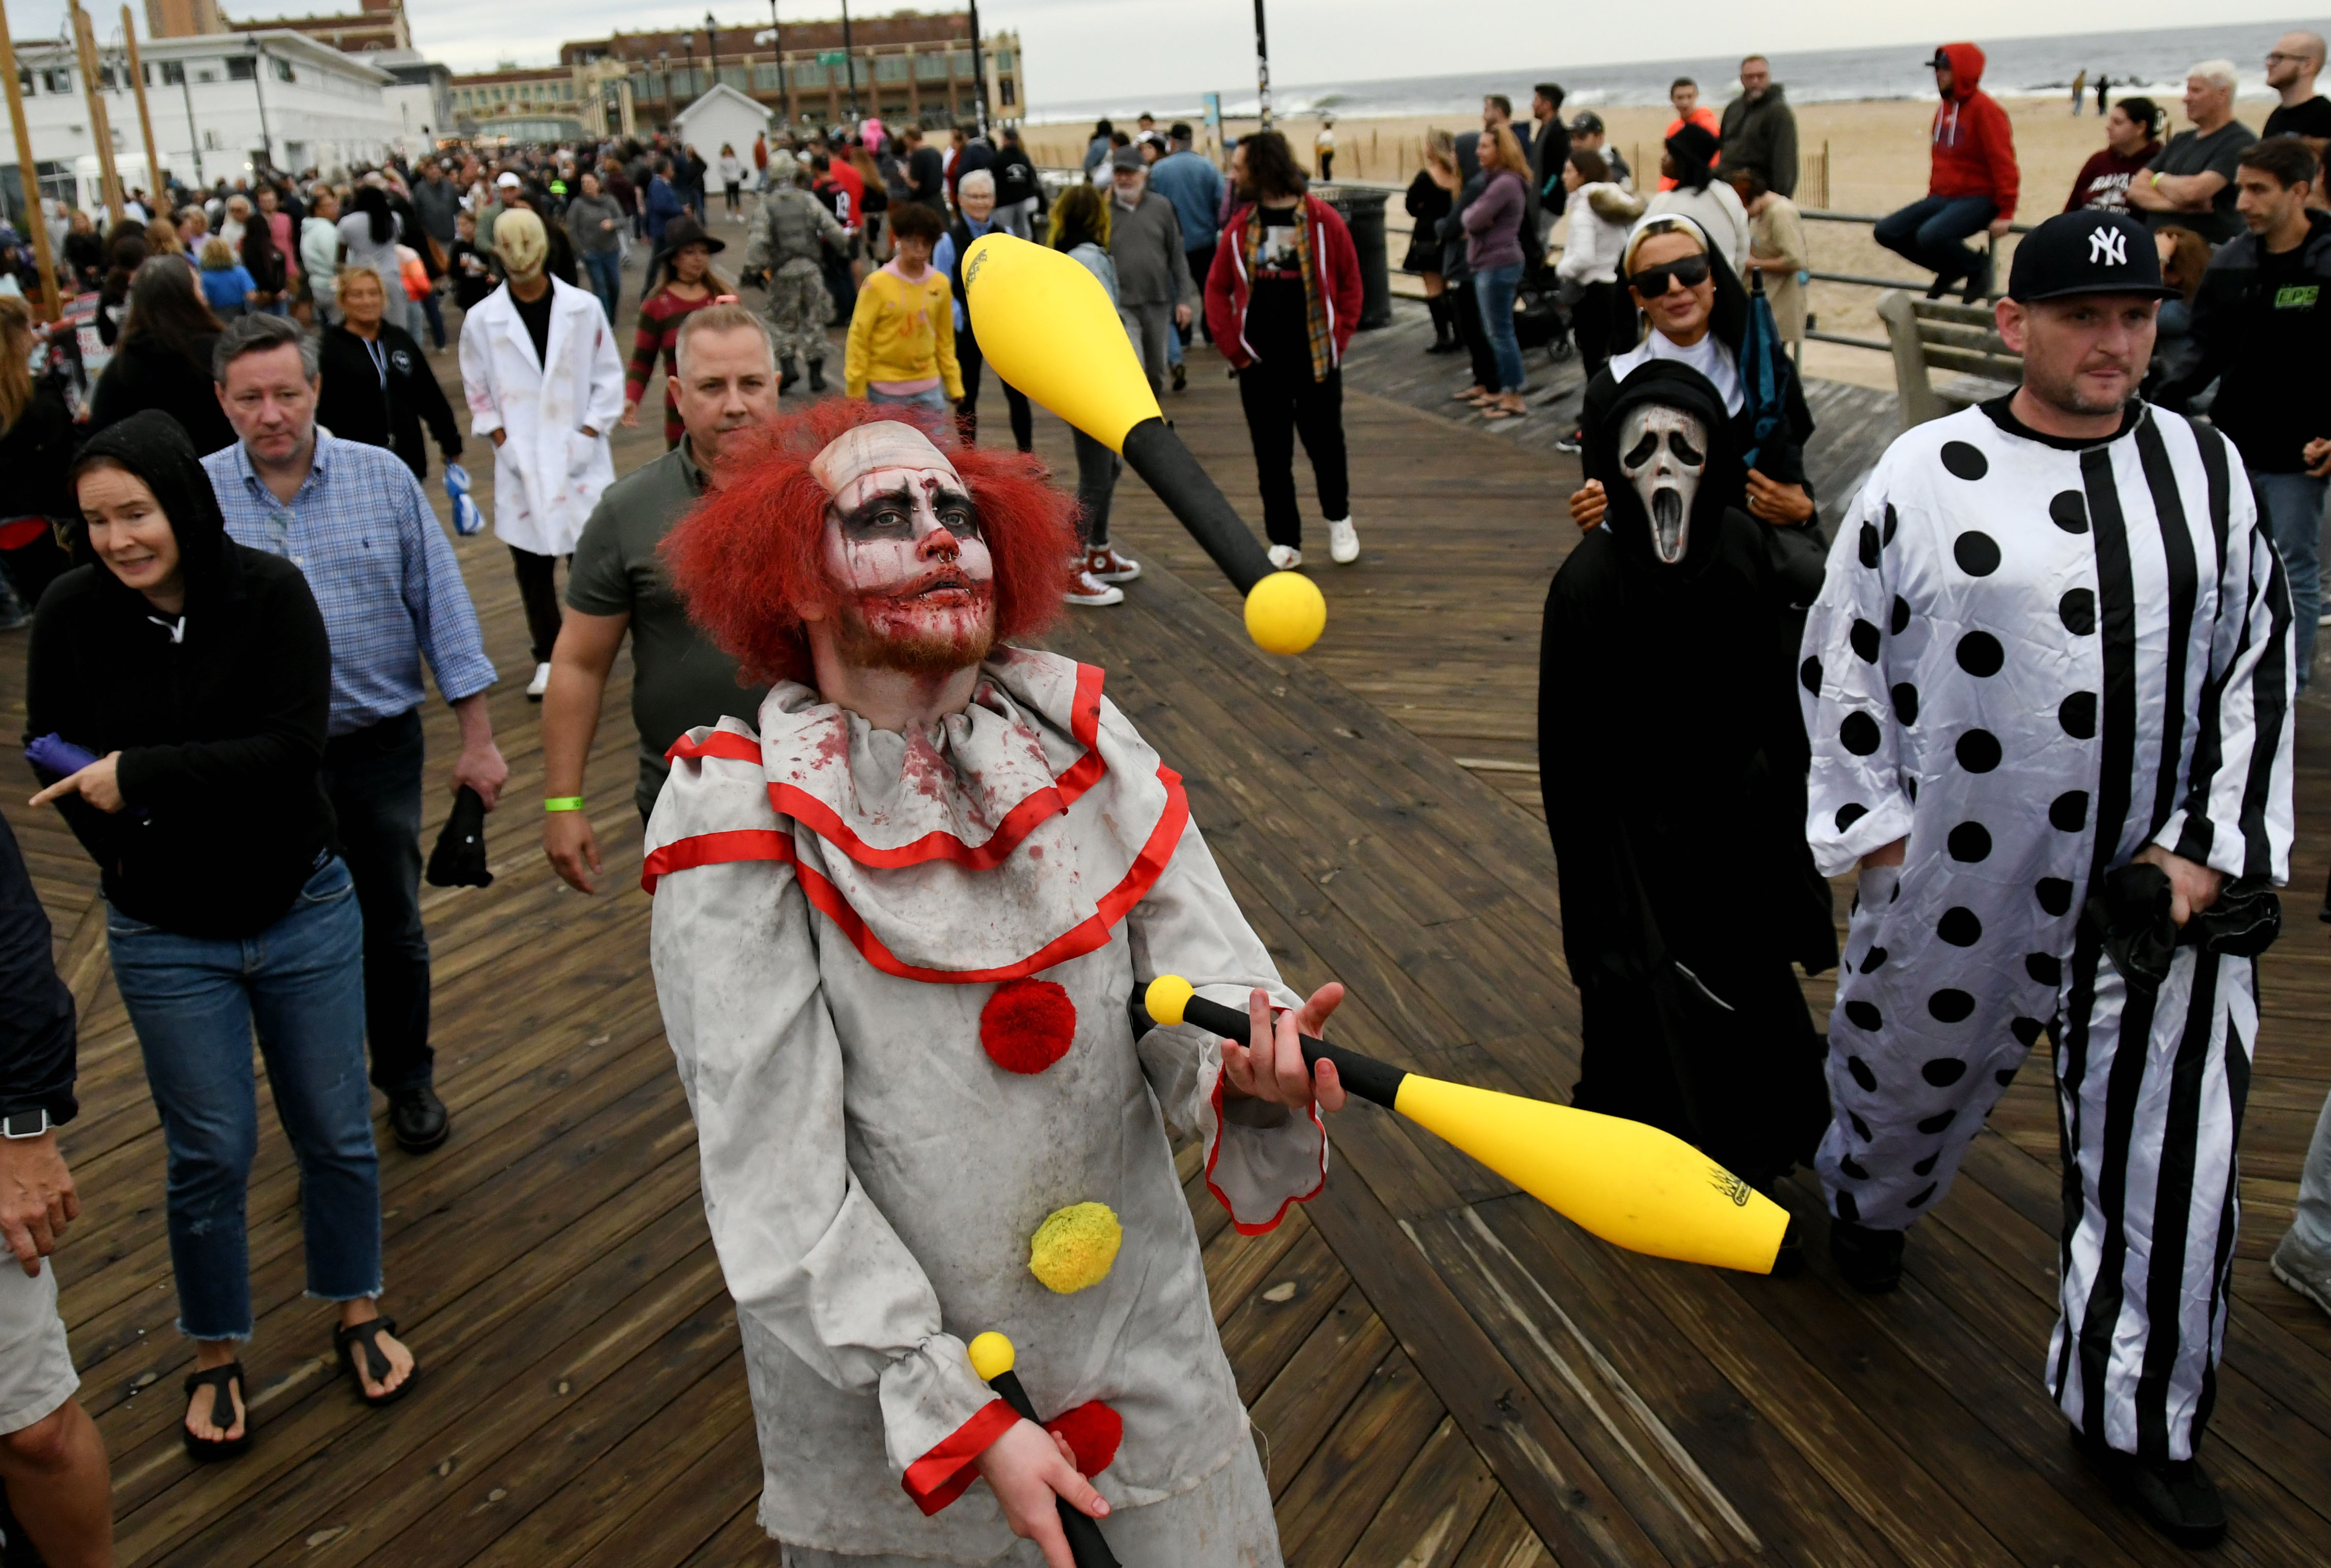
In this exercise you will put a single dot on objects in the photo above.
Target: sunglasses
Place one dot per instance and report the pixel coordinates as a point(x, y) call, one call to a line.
point(1651, 282)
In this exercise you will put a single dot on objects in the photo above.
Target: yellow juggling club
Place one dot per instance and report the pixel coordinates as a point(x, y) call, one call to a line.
point(1047, 327)
point(993, 1360)
point(1633, 1185)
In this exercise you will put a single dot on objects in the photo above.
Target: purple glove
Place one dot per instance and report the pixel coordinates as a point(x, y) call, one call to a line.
point(53, 753)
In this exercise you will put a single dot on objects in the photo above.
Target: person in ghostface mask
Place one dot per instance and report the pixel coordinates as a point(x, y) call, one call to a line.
point(1674, 766)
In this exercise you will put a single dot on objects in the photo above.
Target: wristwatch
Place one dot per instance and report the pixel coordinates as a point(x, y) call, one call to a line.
point(29, 1124)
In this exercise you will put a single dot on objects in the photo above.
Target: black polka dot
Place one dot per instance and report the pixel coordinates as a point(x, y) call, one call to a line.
point(1925, 1167)
point(1861, 1074)
point(2077, 610)
point(1900, 615)
point(1860, 1127)
point(1911, 785)
point(2077, 715)
point(2028, 1031)
point(1978, 751)
point(1981, 654)
point(2003, 1077)
point(1896, 896)
point(1970, 843)
point(1853, 1168)
point(1905, 703)
point(1938, 1121)
point(1950, 1005)
point(1892, 522)
point(2045, 968)
point(1859, 734)
point(1869, 545)
point(1943, 1072)
point(1920, 1197)
point(1864, 638)
point(1863, 1015)
point(1977, 552)
point(2068, 812)
point(1846, 1207)
point(1873, 960)
point(2055, 894)
point(1849, 813)
point(1809, 674)
point(1959, 927)
point(2070, 511)
point(1964, 461)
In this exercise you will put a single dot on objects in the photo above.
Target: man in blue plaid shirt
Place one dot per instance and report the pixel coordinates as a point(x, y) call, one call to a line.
point(353, 518)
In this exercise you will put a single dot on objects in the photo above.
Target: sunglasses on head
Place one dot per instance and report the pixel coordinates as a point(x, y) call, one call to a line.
point(1651, 282)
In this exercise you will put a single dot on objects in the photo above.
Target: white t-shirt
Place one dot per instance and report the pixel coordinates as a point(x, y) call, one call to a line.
point(1709, 356)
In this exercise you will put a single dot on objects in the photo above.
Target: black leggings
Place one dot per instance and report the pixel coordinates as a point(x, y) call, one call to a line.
point(1282, 405)
point(1473, 332)
point(539, 595)
point(1595, 323)
point(971, 362)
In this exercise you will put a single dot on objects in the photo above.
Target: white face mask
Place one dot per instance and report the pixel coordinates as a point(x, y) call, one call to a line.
point(1663, 452)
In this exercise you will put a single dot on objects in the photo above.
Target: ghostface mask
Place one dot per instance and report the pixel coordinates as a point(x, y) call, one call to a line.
point(1663, 452)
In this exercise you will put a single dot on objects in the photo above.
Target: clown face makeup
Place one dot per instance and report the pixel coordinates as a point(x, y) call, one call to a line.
point(1663, 452)
point(904, 552)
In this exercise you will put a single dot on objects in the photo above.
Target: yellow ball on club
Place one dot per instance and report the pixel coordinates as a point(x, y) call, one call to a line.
point(1286, 612)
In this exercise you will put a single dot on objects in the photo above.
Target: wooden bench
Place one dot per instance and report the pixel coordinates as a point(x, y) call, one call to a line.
point(1934, 334)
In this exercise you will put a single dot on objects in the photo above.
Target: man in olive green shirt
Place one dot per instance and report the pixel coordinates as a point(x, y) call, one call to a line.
point(728, 381)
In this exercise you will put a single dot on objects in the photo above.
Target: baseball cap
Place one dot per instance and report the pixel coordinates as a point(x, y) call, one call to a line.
point(2087, 253)
point(1942, 57)
point(1125, 157)
point(1586, 124)
point(506, 181)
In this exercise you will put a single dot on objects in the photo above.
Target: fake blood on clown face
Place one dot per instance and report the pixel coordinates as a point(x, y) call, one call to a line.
point(914, 581)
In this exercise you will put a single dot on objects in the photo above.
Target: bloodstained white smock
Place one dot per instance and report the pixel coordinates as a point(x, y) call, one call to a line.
point(834, 907)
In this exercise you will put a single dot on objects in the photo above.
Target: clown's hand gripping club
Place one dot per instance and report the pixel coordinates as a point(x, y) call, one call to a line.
point(1633, 1185)
point(993, 1358)
point(1047, 327)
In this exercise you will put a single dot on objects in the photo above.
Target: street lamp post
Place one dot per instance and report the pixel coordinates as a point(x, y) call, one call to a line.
point(1262, 65)
point(688, 42)
point(777, 53)
point(850, 61)
point(663, 69)
point(711, 51)
point(978, 70)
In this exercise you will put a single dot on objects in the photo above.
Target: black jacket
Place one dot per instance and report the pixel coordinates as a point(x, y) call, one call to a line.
point(2267, 352)
point(221, 733)
point(926, 177)
point(1761, 136)
point(1015, 176)
point(143, 374)
point(37, 1034)
point(383, 403)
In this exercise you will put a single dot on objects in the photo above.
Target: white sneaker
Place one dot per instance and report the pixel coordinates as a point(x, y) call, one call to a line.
point(1343, 542)
point(1286, 557)
point(1090, 591)
point(539, 684)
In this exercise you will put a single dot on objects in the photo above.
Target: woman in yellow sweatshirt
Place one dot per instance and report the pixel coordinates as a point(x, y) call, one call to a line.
point(903, 333)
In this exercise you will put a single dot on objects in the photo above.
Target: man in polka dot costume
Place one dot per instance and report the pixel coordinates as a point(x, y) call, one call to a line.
point(898, 915)
point(2053, 641)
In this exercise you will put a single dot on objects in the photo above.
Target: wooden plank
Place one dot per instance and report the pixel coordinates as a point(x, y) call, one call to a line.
point(1432, 1508)
point(1332, 1499)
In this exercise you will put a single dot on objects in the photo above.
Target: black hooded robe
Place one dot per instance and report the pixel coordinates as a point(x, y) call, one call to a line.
point(1674, 773)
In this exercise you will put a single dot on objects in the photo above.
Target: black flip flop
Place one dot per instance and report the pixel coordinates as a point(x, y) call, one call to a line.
point(207, 1450)
point(363, 1338)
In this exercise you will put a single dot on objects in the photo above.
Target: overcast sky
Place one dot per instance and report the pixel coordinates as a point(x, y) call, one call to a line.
point(1079, 50)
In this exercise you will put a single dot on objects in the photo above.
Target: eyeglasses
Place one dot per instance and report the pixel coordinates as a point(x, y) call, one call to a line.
point(1651, 282)
point(2279, 55)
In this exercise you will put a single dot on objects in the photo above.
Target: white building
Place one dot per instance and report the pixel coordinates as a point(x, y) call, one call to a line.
point(222, 105)
point(722, 116)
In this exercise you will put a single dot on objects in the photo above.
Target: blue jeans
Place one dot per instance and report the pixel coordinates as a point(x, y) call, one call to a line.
point(934, 398)
point(1928, 233)
point(428, 303)
point(606, 271)
point(2292, 507)
point(1495, 287)
point(194, 1002)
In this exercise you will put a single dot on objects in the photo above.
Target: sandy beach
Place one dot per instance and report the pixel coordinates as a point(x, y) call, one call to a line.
point(1874, 155)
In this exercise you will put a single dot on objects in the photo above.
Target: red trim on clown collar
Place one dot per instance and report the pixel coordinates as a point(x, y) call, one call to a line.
point(724, 744)
point(1214, 1152)
point(943, 1474)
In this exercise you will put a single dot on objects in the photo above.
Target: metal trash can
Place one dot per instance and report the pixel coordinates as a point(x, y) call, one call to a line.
point(1362, 208)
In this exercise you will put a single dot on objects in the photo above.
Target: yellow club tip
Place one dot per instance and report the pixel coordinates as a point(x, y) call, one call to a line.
point(1286, 612)
point(992, 1356)
point(1168, 999)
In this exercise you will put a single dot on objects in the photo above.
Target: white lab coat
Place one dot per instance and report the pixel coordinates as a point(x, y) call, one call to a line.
point(548, 474)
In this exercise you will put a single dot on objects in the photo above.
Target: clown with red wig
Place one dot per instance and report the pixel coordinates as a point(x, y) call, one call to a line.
point(899, 914)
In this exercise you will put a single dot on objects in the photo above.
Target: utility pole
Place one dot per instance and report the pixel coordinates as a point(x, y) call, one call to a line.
point(144, 119)
point(1262, 65)
point(194, 137)
point(711, 51)
point(850, 61)
point(28, 178)
point(100, 127)
point(777, 53)
point(259, 69)
point(978, 69)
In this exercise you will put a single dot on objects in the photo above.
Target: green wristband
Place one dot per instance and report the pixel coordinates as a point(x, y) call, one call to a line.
point(563, 803)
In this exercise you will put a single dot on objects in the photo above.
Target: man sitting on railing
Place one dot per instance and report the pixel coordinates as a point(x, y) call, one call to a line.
point(1973, 186)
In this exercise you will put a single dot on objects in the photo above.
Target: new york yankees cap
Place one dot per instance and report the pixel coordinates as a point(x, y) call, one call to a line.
point(2087, 253)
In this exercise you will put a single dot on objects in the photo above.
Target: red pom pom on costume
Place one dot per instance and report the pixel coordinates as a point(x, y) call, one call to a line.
point(1027, 1025)
point(1094, 1432)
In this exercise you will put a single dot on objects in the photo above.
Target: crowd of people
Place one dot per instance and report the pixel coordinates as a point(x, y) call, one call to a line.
point(226, 676)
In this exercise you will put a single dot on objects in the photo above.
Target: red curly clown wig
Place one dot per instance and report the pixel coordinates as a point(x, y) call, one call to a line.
point(751, 556)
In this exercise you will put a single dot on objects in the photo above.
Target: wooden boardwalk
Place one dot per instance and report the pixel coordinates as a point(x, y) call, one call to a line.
point(1441, 1372)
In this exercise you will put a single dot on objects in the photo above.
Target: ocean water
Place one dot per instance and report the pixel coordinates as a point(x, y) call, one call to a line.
point(2155, 61)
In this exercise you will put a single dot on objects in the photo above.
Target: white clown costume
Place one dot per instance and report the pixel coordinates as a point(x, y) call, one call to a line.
point(2032, 658)
point(847, 922)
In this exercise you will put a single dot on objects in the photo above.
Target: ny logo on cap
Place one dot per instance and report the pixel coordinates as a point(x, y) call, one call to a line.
point(2108, 245)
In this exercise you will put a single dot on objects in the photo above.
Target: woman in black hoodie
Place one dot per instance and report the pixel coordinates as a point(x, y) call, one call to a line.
point(164, 358)
point(198, 675)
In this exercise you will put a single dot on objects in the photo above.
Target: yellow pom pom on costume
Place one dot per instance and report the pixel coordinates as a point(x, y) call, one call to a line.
point(1075, 1246)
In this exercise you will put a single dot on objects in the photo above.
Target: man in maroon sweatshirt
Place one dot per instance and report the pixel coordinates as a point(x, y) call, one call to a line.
point(1973, 184)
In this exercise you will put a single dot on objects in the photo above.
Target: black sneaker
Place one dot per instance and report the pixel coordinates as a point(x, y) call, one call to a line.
point(1575, 442)
point(1870, 1261)
point(1181, 377)
point(419, 1119)
point(2176, 1496)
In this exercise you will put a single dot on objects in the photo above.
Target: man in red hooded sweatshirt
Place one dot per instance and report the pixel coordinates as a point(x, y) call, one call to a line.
point(1973, 186)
